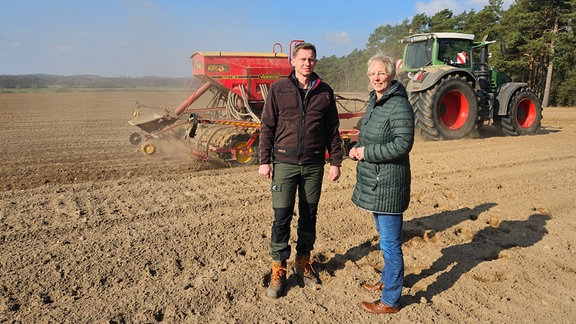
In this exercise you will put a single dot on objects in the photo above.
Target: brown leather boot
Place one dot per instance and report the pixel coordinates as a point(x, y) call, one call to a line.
point(378, 307)
point(304, 270)
point(373, 287)
point(277, 279)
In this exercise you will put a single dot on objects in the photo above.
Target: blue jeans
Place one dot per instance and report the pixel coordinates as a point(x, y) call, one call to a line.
point(389, 227)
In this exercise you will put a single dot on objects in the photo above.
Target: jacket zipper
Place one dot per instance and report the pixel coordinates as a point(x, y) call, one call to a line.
point(302, 127)
point(377, 165)
point(377, 177)
point(303, 121)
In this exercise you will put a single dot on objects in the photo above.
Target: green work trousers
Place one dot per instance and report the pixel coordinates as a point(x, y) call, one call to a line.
point(288, 179)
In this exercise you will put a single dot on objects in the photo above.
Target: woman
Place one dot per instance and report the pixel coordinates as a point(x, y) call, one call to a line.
point(383, 174)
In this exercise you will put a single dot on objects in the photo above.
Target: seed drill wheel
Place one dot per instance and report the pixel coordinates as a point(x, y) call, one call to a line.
point(218, 141)
point(135, 138)
point(524, 114)
point(148, 149)
point(446, 111)
point(207, 137)
point(244, 156)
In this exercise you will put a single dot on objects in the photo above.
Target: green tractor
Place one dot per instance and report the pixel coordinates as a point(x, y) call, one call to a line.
point(453, 91)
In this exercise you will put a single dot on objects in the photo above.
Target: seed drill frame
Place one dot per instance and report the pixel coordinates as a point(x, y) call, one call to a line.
point(228, 127)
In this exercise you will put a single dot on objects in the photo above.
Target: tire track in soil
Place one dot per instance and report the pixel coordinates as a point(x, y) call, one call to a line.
point(94, 230)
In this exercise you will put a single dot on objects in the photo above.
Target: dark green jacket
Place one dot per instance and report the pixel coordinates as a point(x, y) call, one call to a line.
point(387, 134)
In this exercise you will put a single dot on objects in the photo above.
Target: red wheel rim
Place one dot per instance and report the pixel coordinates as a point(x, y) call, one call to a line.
point(526, 113)
point(454, 110)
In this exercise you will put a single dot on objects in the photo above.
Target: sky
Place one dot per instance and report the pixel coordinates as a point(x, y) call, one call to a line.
point(135, 38)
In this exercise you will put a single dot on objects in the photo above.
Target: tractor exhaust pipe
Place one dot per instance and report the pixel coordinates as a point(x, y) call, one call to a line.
point(483, 72)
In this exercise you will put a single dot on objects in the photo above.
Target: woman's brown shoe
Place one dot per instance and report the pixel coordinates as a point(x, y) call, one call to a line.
point(378, 307)
point(375, 287)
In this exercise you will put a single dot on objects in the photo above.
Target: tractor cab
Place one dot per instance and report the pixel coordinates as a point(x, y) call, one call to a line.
point(437, 49)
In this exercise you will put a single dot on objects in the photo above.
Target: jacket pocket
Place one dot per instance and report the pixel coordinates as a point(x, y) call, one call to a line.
point(287, 102)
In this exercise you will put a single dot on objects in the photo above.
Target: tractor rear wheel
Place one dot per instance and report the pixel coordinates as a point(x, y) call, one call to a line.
point(446, 111)
point(524, 114)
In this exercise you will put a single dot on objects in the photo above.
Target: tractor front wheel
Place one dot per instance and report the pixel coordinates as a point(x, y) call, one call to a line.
point(524, 114)
point(446, 111)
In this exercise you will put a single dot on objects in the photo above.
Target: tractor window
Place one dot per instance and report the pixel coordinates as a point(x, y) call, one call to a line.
point(454, 52)
point(418, 54)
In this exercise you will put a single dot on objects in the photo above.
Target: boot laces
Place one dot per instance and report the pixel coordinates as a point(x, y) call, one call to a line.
point(278, 271)
point(306, 266)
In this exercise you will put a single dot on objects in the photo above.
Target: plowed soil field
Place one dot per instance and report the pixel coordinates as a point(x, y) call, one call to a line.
point(94, 231)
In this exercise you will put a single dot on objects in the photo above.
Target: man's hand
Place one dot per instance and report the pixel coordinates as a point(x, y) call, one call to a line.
point(265, 171)
point(334, 172)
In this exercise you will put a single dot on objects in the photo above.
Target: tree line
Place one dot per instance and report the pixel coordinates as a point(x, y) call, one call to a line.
point(535, 43)
point(41, 81)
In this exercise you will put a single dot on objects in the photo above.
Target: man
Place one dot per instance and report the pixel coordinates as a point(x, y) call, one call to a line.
point(299, 124)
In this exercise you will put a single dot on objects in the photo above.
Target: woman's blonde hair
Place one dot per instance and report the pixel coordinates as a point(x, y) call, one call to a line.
point(381, 57)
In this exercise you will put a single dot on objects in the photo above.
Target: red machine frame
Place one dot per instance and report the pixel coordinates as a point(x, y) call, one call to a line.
point(243, 76)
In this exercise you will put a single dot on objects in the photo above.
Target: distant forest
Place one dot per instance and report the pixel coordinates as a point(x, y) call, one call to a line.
point(42, 81)
point(535, 42)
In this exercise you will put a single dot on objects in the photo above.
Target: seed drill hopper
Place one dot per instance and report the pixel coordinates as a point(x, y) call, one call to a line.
point(227, 126)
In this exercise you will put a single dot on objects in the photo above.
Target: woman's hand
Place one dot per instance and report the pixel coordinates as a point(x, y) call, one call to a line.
point(356, 153)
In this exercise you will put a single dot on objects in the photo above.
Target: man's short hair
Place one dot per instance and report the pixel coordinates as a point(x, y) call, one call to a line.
point(307, 46)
